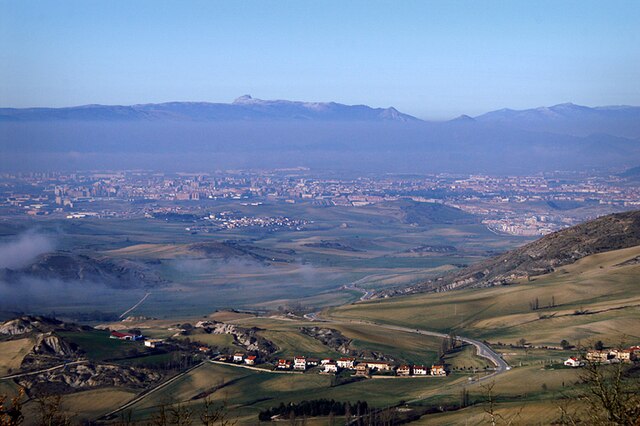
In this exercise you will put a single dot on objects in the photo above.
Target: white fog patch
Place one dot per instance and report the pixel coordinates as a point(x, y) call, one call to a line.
point(23, 249)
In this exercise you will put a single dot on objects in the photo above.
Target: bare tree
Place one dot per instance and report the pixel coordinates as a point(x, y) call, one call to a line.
point(50, 410)
point(490, 409)
point(213, 414)
point(611, 396)
point(11, 414)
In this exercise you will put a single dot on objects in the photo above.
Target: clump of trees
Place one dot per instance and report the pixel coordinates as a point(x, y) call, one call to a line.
point(316, 407)
point(534, 304)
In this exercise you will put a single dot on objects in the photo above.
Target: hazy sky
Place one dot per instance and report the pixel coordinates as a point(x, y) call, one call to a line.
point(432, 59)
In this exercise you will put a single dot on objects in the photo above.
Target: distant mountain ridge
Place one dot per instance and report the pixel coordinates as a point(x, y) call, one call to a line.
point(243, 108)
point(255, 133)
point(607, 233)
point(568, 118)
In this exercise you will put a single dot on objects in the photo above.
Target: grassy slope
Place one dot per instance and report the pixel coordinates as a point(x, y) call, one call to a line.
point(596, 284)
point(12, 353)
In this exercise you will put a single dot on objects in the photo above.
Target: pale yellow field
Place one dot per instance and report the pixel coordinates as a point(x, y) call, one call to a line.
point(155, 251)
point(94, 403)
point(609, 294)
point(531, 413)
point(12, 353)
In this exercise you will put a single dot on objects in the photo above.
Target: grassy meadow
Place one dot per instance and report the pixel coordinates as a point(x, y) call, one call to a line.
point(597, 298)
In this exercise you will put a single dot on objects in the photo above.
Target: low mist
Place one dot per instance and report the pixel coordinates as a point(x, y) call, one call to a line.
point(24, 249)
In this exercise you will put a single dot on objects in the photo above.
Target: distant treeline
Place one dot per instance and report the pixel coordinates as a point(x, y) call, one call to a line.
point(314, 408)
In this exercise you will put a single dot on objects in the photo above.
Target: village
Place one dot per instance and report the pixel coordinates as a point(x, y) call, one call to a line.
point(360, 368)
point(605, 356)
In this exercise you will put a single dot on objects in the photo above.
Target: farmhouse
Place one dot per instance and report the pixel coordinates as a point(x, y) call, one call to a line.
point(438, 370)
point(153, 343)
point(330, 367)
point(299, 363)
point(420, 370)
point(404, 370)
point(283, 364)
point(125, 336)
point(379, 365)
point(624, 355)
point(362, 370)
point(238, 357)
point(250, 360)
point(346, 362)
point(598, 356)
point(573, 362)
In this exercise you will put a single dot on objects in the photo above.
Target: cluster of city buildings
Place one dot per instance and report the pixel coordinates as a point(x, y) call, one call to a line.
point(519, 205)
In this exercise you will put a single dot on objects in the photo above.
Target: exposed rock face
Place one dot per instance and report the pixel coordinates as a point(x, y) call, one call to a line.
point(245, 337)
point(87, 376)
point(27, 324)
point(612, 232)
point(329, 337)
point(50, 344)
point(50, 349)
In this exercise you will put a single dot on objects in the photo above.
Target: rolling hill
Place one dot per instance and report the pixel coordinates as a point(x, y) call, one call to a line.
point(543, 256)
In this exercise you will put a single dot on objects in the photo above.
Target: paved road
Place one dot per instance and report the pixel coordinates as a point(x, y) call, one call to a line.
point(249, 367)
point(31, 373)
point(482, 349)
point(136, 305)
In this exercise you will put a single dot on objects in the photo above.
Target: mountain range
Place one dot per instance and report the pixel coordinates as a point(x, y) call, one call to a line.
point(254, 133)
point(244, 108)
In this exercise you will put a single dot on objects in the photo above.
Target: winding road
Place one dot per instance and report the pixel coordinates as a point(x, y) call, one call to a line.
point(482, 349)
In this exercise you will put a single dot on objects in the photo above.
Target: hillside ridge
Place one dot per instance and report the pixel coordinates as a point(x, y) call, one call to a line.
point(612, 232)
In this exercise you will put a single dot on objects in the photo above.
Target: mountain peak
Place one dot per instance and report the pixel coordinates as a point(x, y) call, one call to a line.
point(243, 99)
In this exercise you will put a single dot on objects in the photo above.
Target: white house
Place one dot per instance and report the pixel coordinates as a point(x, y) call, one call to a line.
point(238, 357)
point(153, 343)
point(420, 370)
point(299, 363)
point(330, 367)
point(573, 362)
point(346, 362)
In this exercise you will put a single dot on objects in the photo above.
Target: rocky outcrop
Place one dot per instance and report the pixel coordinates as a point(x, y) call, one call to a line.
point(329, 337)
point(88, 376)
point(247, 338)
point(50, 349)
point(53, 345)
point(27, 324)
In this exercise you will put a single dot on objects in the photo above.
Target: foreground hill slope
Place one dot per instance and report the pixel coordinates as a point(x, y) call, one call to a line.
point(543, 256)
point(595, 298)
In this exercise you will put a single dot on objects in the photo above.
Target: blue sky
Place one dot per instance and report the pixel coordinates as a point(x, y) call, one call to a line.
point(432, 59)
